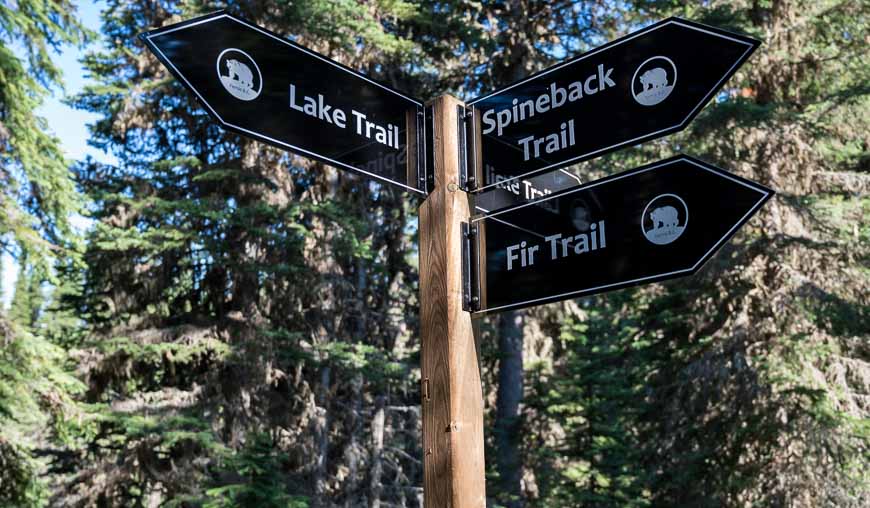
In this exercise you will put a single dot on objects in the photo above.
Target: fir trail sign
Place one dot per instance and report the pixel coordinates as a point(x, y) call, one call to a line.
point(266, 87)
point(652, 223)
point(643, 86)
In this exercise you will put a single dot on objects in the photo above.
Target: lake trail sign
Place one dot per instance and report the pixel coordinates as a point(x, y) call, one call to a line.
point(266, 87)
point(652, 223)
point(643, 86)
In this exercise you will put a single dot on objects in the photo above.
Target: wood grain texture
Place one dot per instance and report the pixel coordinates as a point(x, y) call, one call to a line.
point(453, 413)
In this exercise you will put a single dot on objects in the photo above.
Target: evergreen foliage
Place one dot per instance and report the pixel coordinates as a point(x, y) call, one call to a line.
point(38, 197)
point(242, 323)
point(37, 200)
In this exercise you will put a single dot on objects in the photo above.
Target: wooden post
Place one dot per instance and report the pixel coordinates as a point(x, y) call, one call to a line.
point(453, 466)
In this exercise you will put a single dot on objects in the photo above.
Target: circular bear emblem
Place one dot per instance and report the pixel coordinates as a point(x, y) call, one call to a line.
point(664, 219)
point(654, 80)
point(239, 74)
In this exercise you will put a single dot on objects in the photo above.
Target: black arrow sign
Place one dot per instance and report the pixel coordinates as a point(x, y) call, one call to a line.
point(656, 222)
point(523, 190)
point(263, 86)
point(644, 86)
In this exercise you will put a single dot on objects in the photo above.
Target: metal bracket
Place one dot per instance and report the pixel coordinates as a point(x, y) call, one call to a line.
point(470, 267)
point(422, 169)
point(465, 133)
point(429, 148)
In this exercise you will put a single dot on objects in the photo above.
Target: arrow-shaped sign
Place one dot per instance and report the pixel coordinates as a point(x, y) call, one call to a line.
point(652, 223)
point(523, 190)
point(263, 86)
point(641, 87)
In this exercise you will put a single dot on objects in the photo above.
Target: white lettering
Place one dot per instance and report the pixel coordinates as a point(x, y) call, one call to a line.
point(323, 109)
point(525, 143)
point(554, 241)
point(560, 246)
point(588, 89)
point(552, 142)
point(511, 256)
point(293, 104)
point(339, 118)
point(554, 97)
point(359, 120)
point(488, 121)
point(319, 109)
point(604, 80)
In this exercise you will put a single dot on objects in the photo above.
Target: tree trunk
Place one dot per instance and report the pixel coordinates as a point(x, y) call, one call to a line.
point(377, 450)
point(508, 437)
point(354, 449)
point(322, 433)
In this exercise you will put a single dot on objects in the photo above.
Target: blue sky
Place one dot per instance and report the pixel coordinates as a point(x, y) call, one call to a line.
point(68, 124)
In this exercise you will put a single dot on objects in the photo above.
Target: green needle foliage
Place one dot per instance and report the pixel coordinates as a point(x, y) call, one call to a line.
point(38, 196)
point(37, 201)
point(242, 323)
point(745, 385)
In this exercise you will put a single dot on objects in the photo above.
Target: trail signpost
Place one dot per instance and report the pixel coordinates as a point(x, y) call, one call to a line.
point(263, 86)
point(653, 223)
point(646, 85)
point(541, 238)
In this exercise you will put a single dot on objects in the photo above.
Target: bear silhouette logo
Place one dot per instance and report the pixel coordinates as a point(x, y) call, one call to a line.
point(654, 80)
point(664, 219)
point(239, 74)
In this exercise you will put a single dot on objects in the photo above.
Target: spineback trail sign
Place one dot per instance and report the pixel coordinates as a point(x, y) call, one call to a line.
point(646, 85)
point(562, 241)
point(263, 86)
point(653, 223)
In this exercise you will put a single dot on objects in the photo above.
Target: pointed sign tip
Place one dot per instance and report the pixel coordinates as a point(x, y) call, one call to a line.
point(624, 230)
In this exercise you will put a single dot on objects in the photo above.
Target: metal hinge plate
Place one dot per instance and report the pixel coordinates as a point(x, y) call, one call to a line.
point(470, 267)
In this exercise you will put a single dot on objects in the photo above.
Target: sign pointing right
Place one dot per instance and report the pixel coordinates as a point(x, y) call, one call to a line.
point(652, 223)
point(641, 87)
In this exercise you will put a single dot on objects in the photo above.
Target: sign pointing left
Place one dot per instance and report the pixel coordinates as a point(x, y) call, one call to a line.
point(263, 86)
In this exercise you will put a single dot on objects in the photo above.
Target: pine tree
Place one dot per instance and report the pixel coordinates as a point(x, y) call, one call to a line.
point(234, 291)
point(739, 374)
point(796, 120)
point(245, 320)
point(28, 299)
point(37, 199)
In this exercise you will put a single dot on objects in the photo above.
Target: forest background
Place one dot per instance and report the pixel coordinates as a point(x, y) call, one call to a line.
point(202, 320)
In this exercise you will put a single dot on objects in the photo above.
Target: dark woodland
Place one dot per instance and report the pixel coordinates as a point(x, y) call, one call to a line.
point(239, 326)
